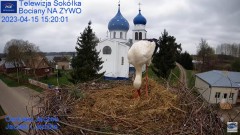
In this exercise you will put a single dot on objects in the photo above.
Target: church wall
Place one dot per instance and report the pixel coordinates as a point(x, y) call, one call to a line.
point(123, 64)
point(109, 64)
point(139, 28)
point(115, 64)
point(117, 36)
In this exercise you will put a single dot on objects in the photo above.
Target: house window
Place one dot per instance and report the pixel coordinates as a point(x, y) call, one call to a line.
point(114, 34)
point(140, 35)
point(217, 95)
point(136, 36)
point(122, 61)
point(231, 95)
point(225, 95)
point(121, 35)
point(107, 50)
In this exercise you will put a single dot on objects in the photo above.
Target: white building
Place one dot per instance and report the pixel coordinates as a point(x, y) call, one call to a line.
point(139, 31)
point(216, 86)
point(113, 50)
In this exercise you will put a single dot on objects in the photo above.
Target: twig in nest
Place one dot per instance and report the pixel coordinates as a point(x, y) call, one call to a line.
point(86, 129)
point(177, 108)
point(199, 109)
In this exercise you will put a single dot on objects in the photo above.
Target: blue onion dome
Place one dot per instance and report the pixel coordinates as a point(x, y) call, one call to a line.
point(139, 19)
point(118, 22)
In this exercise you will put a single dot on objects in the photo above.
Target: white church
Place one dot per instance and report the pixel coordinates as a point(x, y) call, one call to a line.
point(113, 50)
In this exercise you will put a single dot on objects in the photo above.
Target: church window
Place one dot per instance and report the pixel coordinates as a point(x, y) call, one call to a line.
point(107, 50)
point(125, 35)
point(136, 36)
point(122, 63)
point(121, 36)
point(140, 35)
point(114, 34)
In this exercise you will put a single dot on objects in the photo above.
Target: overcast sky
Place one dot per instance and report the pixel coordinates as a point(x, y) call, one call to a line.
point(217, 21)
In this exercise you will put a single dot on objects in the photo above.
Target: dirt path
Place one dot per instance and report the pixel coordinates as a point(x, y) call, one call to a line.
point(14, 101)
point(183, 74)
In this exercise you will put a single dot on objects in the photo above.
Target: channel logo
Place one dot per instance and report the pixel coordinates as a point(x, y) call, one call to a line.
point(8, 6)
point(232, 127)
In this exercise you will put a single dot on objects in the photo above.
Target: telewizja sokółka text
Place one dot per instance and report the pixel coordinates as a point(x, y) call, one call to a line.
point(50, 7)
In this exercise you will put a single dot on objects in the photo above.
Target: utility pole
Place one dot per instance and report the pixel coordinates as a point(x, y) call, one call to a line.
point(57, 75)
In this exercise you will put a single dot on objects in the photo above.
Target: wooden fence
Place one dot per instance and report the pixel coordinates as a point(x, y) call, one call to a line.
point(39, 84)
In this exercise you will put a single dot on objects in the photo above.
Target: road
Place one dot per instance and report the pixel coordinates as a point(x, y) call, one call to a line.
point(183, 75)
point(14, 101)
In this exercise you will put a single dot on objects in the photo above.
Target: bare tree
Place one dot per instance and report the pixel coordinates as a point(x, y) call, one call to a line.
point(31, 56)
point(205, 53)
point(18, 52)
point(14, 53)
point(229, 49)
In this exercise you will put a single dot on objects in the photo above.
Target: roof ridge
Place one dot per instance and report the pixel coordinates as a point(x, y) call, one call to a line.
point(223, 75)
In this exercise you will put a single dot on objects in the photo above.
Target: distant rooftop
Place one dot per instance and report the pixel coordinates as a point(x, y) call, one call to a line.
point(219, 78)
point(10, 64)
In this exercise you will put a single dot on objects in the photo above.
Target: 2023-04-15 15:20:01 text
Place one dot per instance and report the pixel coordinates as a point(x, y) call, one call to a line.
point(34, 19)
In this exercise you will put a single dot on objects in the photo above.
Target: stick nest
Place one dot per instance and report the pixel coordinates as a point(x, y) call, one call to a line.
point(164, 111)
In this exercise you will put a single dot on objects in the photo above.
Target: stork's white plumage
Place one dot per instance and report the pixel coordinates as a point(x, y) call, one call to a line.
point(139, 54)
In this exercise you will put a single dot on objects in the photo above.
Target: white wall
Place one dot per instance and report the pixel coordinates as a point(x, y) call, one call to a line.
point(209, 94)
point(123, 70)
point(139, 28)
point(109, 62)
point(112, 63)
point(223, 90)
point(117, 37)
point(203, 88)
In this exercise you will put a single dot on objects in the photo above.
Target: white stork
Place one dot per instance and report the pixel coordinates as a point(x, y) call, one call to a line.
point(139, 54)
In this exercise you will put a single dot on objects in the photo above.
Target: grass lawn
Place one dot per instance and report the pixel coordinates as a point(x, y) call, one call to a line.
point(12, 83)
point(190, 78)
point(3, 124)
point(63, 80)
point(173, 79)
point(151, 74)
point(21, 76)
point(38, 89)
point(8, 81)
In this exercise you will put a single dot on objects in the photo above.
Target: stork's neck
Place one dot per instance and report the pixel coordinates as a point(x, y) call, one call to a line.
point(138, 78)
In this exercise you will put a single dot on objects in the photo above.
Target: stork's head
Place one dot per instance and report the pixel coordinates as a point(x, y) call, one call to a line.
point(154, 40)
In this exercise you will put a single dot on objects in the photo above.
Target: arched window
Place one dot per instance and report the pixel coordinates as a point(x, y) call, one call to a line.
point(114, 34)
point(140, 35)
point(125, 35)
point(145, 35)
point(121, 36)
point(136, 36)
point(107, 50)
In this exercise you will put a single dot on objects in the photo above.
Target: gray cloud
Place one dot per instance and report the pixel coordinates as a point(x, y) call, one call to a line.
point(217, 21)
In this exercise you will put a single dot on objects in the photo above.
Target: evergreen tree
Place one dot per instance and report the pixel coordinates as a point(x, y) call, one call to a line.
point(164, 59)
point(185, 60)
point(86, 63)
point(236, 65)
